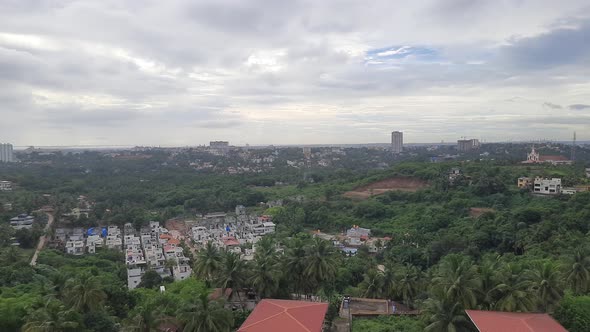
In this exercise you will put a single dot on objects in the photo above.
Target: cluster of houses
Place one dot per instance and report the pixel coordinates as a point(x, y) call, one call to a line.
point(79, 241)
point(232, 233)
point(152, 247)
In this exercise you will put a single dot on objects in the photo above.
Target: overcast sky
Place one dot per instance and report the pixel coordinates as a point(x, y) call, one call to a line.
point(114, 72)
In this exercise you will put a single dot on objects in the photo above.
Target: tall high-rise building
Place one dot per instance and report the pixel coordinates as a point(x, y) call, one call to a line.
point(466, 145)
point(397, 141)
point(6, 154)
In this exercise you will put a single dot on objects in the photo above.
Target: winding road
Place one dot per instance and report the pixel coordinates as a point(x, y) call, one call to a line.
point(43, 238)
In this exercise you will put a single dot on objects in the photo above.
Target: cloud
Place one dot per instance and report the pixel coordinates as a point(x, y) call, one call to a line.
point(123, 72)
point(563, 46)
point(552, 106)
point(578, 107)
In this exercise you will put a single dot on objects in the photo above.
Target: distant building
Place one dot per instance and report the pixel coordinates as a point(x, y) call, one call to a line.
point(357, 231)
point(524, 182)
point(22, 221)
point(5, 186)
point(219, 147)
point(6, 154)
point(535, 158)
point(466, 145)
point(547, 186)
point(588, 172)
point(397, 142)
point(454, 173)
point(569, 191)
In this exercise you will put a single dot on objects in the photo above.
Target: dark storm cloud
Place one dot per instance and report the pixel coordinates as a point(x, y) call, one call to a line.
point(559, 47)
point(578, 107)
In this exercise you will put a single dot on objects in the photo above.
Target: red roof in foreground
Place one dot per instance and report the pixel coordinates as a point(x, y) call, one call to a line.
point(497, 321)
point(286, 316)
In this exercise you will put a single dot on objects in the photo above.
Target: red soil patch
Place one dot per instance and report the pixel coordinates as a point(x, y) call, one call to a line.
point(176, 225)
point(377, 188)
point(476, 212)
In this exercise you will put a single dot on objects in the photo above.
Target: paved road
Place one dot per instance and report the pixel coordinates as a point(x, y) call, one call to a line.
point(42, 239)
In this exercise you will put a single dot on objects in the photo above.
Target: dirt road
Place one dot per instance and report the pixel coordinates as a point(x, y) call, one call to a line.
point(42, 239)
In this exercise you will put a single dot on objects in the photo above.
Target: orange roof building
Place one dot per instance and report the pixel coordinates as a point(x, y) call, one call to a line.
point(286, 316)
point(496, 321)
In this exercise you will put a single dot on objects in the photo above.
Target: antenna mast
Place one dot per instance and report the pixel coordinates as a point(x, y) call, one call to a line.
point(574, 148)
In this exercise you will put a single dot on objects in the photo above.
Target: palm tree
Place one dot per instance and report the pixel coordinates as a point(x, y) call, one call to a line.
point(144, 319)
point(445, 315)
point(208, 263)
point(407, 283)
point(488, 274)
point(266, 246)
point(232, 272)
point(372, 284)
point(84, 293)
point(265, 274)
point(294, 263)
point(204, 315)
point(321, 262)
point(578, 273)
point(512, 292)
point(545, 280)
point(458, 277)
point(52, 317)
point(389, 281)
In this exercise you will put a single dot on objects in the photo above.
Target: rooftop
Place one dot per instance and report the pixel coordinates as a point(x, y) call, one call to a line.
point(286, 316)
point(492, 321)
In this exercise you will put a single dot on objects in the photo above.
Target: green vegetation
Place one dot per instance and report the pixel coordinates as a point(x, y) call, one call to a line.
point(524, 254)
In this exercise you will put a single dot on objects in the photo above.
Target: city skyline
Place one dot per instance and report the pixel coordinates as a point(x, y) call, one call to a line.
point(183, 72)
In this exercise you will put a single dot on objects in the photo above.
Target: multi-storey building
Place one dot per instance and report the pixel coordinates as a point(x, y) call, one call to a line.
point(547, 186)
point(6, 153)
point(466, 145)
point(397, 141)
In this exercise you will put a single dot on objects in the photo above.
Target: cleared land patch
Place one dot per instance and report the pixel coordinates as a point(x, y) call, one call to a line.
point(475, 212)
point(408, 184)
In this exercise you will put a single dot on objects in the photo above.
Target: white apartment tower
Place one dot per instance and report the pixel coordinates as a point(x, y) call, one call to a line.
point(6, 154)
point(397, 141)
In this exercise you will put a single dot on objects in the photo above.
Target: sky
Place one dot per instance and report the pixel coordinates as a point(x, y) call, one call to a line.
point(177, 73)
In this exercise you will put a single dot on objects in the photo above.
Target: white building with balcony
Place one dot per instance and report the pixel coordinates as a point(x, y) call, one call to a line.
point(547, 186)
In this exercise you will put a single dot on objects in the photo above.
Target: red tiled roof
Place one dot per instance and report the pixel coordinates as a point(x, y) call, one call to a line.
point(496, 321)
point(165, 236)
point(174, 241)
point(551, 158)
point(286, 316)
point(230, 241)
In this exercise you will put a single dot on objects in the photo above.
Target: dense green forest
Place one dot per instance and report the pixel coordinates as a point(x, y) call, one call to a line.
point(524, 253)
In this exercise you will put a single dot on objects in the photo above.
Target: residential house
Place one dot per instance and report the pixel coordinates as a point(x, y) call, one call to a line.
point(75, 247)
point(547, 186)
point(22, 221)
